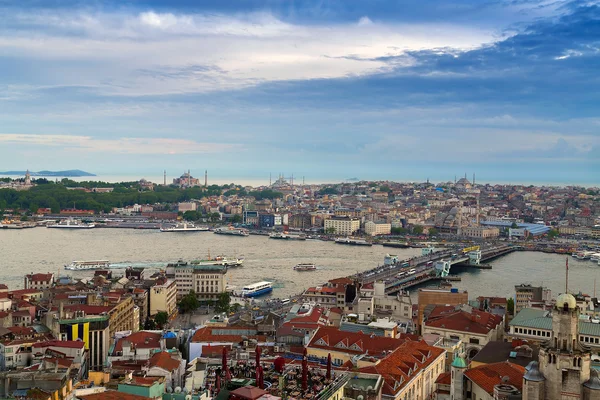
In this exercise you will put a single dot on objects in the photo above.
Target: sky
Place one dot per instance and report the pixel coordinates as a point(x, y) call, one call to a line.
point(325, 89)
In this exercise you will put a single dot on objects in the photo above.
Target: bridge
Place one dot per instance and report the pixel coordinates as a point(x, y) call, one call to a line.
point(403, 274)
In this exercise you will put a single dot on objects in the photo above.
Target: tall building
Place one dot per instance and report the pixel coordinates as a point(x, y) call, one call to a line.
point(342, 225)
point(563, 370)
point(186, 180)
point(208, 281)
point(163, 297)
point(527, 295)
point(440, 297)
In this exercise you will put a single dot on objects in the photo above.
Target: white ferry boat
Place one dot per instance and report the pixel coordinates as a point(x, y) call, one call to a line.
point(184, 227)
point(279, 235)
point(305, 267)
point(595, 257)
point(85, 265)
point(219, 260)
point(257, 289)
point(72, 224)
point(231, 231)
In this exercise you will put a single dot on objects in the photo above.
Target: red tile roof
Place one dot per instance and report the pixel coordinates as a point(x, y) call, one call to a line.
point(488, 375)
point(113, 395)
point(341, 281)
point(140, 340)
point(67, 344)
point(90, 310)
point(39, 277)
point(403, 364)
point(352, 342)
point(478, 322)
point(207, 334)
point(145, 381)
point(445, 378)
point(248, 392)
point(164, 360)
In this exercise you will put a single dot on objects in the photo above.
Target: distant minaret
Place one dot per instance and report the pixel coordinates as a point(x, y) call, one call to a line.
point(205, 178)
point(455, 179)
point(473, 178)
point(165, 178)
point(270, 183)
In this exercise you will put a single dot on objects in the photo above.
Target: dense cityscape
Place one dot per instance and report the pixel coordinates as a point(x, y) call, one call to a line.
point(180, 330)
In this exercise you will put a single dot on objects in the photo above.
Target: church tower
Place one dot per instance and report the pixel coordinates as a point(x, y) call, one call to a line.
point(563, 361)
point(457, 372)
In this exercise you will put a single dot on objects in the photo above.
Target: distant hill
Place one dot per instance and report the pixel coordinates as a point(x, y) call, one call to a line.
point(68, 173)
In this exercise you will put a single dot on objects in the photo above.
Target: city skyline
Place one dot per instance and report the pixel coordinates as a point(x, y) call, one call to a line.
point(333, 90)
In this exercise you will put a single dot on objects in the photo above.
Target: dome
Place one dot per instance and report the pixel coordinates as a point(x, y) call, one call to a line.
point(594, 382)
point(459, 362)
point(568, 299)
point(533, 373)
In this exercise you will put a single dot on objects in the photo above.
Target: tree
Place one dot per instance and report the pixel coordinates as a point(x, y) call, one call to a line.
point(552, 233)
point(330, 230)
point(514, 225)
point(189, 302)
point(236, 219)
point(214, 217)
point(222, 303)
point(149, 325)
point(399, 231)
point(433, 232)
point(417, 229)
point(385, 188)
point(190, 215)
point(161, 318)
point(510, 305)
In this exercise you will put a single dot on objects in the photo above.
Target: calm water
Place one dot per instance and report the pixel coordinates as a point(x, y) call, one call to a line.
point(44, 250)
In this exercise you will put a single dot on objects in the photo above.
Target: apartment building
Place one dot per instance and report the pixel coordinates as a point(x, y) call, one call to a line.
point(342, 225)
point(208, 281)
point(163, 297)
point(528, 296)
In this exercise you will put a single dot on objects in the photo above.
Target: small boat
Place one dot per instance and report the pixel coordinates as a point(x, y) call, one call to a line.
point(219, 260)
point(305, 267)
point(257, 289)
point(184, 227)
point(72, 224)
point(279, 235)
point(353, 242)
point(87, 265)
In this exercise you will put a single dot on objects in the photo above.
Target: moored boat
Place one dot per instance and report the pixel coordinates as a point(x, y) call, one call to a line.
point(305, 267)
point(87, 265)
point(353, 242)
point(231, 231)
point(72, 224)
point(184, 227)
point(257, 289)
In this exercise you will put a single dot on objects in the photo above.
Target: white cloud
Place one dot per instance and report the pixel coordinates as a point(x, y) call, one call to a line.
point(107, 51)
point(122, 145)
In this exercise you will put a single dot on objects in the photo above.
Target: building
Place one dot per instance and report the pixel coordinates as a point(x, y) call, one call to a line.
point(186, 180)
point(335, 293)
point(480, 232)
point(208, 281)
point(136, 346)
point(439, 296)
point(377, 228)
point(473, 327)
point(518, 352)
point(409, 371)
point(187, 206)
point(398, 307)
point(488, 381)
point(345, 226)
point(163, 297)
point(39, 281)
point(563, 370)
point(529, 296)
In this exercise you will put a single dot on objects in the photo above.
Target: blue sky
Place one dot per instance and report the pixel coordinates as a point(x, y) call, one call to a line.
point(375, 89)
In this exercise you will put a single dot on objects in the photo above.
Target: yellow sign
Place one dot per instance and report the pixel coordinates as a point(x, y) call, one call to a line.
point(468, 249)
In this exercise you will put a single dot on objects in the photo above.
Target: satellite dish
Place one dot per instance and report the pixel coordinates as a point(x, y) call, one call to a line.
point(169, 390)
point(188, 397)
point(178, 389)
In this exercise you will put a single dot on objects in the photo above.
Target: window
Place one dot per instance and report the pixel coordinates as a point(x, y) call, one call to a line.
point(473, 340)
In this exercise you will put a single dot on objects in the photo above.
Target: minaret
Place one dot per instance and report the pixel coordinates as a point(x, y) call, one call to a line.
point(165, 178)
point(205, 178)
point(458, 368)
point(473, 179)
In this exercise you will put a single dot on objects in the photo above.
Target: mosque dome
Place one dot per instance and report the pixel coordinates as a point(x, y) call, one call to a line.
point(533, 373)
point(594, 381)
point(568, 299)
point(459, 362)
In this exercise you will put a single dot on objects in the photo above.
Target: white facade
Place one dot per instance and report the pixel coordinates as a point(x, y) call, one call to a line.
point(342, 225)
point(207, 281)
point(163, 298)
point(377, 228)
point(187, 206)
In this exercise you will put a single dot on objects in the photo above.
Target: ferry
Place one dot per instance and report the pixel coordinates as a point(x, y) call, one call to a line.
point(595, 257)
point(584, 255)
point(353, 242)
point(72, 224)
point(86, 265)
point(184, 227)
point(219, 260)
point(279, 235)
point(231, 231)
point(305, 267)
point(257, 289)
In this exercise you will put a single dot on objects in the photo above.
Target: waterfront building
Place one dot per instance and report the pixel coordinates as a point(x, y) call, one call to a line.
point(480, 232)
point(439, 296)
point(376, 302)
point(344, 226)
point(38, 281)
point(377, 228)
point(208, 281)
point(473, 327)
point(187, 206)
point(163, 297)
point(335, 293)
point(531, 296)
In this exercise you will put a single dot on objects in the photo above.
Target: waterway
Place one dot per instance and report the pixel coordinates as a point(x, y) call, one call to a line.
point(48, 250)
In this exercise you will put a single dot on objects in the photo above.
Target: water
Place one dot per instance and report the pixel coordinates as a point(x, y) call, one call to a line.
point(48, 250)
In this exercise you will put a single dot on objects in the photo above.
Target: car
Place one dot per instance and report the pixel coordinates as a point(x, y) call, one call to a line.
point(255, 308)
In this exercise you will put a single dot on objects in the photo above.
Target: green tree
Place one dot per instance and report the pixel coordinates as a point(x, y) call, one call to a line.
point(399, 231)
point(236, 219)
point(433, 232)
point(222, 303)
point(330, 230)
point(189, 302)
point(214, 217)
point(417, 229)
point(190, 215)
point(514, 225)
point(385, 188)
point(552, 233)
point(510, 305)
point(24, 218)
point(149, 324)
point(161, 319)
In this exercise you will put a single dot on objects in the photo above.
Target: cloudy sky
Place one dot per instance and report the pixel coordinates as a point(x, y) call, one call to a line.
point(327, 89)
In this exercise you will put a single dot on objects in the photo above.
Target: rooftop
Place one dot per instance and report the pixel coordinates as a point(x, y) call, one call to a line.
point(353, 342)
point(489, 375)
